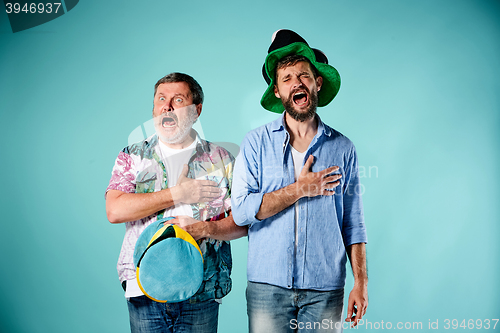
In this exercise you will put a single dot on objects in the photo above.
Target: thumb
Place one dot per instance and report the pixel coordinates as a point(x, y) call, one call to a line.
point(350, 308)
point(172, 221)
point(183, 174)
point(307, 165)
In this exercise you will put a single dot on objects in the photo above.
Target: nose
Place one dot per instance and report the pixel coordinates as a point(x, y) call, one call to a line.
point(167, 107)
point(296, 82)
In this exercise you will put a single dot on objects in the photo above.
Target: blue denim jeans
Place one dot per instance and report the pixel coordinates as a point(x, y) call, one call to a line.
point(279, 310)
point(148, 316)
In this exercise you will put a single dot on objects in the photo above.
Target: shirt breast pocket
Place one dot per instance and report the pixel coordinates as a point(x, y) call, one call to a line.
point(145, 182)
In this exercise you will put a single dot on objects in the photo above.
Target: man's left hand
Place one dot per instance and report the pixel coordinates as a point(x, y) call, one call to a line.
point(192, 226)
point(357, 303)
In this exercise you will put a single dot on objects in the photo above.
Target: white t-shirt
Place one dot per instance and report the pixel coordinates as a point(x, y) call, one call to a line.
point(174, 160)
point(298, 158)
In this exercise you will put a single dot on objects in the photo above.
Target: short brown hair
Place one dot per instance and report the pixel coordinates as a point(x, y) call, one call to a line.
point(194, 86)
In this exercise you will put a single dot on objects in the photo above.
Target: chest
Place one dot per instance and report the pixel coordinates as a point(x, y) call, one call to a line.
point(278, 168)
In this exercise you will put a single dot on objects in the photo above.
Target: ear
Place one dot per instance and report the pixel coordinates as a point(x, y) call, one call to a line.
point(276, 92)
point(198, 108)
point(319, 82)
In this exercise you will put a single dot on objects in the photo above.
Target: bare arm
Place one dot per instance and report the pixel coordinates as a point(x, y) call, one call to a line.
point(309, 184)
point(275, 202)
point(124, 207)
point(358, 298)
point(224, 229)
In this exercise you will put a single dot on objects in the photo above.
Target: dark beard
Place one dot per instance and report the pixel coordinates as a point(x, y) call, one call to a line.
point(302, 116)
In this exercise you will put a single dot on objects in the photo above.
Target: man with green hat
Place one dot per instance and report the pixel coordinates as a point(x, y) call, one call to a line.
point(296, 185)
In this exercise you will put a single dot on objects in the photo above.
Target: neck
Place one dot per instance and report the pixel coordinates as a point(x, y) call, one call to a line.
point(300, 129)
point(184, 143)
point(301, 132)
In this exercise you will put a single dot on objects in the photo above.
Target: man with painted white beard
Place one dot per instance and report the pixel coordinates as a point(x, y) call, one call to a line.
point(175, 173)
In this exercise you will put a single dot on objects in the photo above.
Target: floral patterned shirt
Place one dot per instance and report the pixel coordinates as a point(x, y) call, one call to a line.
point(139, 169)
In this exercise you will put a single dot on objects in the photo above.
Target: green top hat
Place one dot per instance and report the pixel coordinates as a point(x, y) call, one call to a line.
point(286, 42)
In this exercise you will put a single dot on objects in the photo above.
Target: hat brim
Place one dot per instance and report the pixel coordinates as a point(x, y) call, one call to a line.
point(331, 77)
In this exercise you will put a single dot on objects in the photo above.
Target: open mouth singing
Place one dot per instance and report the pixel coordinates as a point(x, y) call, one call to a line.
point(168, 120)
point(301, 97)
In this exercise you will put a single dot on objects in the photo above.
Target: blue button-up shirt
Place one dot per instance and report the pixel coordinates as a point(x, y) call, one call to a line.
point(326, 224)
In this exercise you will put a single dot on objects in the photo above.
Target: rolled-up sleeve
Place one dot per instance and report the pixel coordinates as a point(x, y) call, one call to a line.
point(246, 197)
point(353, 229)
point(123, 174)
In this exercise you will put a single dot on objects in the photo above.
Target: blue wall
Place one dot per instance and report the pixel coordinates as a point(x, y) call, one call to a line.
point(419, 98)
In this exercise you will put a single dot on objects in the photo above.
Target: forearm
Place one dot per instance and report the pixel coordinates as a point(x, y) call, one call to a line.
point(308, 184)
point(275, 202)
point(357, 257)
point(125, 207)
point(224, 229)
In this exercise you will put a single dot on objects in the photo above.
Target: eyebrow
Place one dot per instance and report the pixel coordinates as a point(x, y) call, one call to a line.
point(299, 74)
point(176, 95)
point(286, 76)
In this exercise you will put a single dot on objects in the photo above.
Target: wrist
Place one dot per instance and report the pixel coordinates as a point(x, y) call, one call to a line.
point(294, 191)
point(361, 282)
point(197, 230)
point(176, 194)
point(208, 229)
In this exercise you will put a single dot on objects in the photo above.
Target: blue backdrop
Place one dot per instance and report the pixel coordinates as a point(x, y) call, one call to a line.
point(419, 98)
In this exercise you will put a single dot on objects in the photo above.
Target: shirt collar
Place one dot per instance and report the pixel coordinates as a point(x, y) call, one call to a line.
point(278, 124)
point(322, 128)
point(202, 145)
